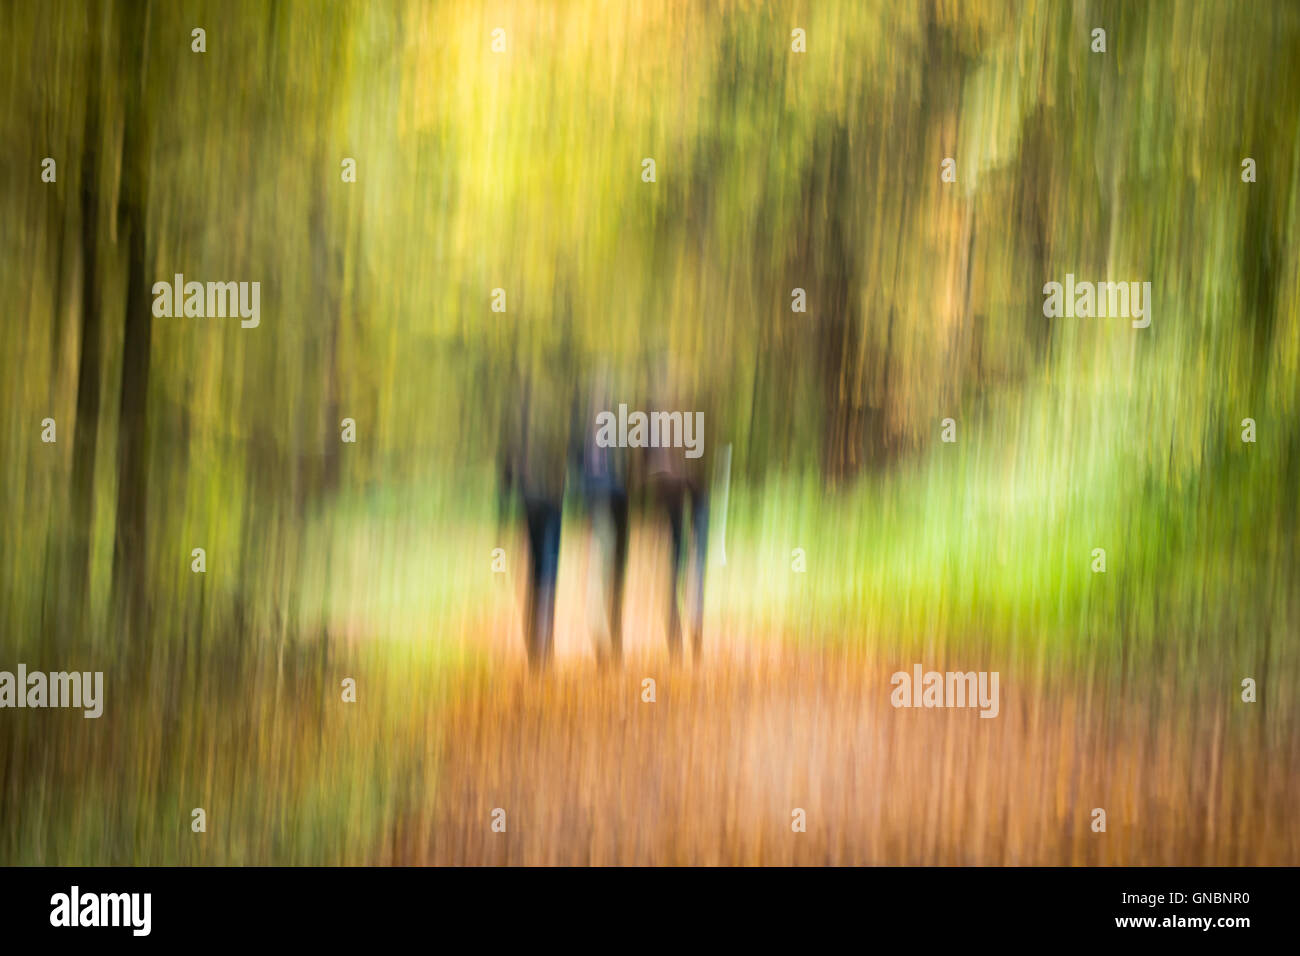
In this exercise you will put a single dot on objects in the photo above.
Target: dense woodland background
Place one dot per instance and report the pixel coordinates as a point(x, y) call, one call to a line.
point(522, 170)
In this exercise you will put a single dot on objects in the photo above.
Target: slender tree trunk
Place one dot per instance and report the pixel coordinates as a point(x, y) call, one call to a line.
point(86, 437)
point(327, 267)
point(130, 540)
point(838, 345)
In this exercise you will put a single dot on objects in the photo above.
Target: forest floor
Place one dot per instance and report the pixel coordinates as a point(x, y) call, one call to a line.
point(713, 771)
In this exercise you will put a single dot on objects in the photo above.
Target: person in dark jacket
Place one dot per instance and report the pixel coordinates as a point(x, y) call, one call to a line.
point(679, 486)
point(533, 463)
point(604, 477)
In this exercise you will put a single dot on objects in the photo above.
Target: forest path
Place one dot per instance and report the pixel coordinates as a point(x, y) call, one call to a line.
point(713, 770)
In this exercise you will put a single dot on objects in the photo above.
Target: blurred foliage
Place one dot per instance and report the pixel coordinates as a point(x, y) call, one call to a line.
point(522, 170)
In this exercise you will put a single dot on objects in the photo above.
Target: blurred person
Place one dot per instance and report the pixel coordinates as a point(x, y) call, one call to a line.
point(603, 479)
point(679, 490)
point(533, 463)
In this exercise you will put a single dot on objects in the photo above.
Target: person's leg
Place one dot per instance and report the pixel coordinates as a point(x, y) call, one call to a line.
point(673, 505)
point(700, 534)
point(619, 516)
point(550, 565)
point(544, 549)
point(599, 560)
point(534, 526)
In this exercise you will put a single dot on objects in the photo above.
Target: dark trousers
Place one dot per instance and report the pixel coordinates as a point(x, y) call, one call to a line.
point(608, 510)
point(544, 519)
point(675, 497)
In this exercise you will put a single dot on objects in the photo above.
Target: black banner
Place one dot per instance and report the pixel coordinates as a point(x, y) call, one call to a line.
point(335, 905)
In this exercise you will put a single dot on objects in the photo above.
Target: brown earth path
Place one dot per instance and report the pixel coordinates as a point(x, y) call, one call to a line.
point(712, 771)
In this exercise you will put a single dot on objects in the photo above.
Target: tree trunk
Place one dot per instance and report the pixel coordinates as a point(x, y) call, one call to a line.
point(86, 437)
point(838, 326)
point(130, 539)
